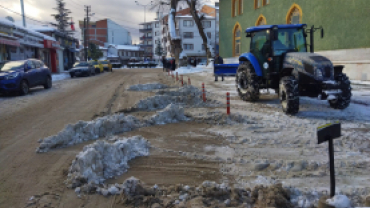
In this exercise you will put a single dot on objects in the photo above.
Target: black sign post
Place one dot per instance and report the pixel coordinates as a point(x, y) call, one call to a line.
point(325, 133)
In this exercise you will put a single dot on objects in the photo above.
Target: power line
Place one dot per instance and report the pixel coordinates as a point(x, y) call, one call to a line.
point(22, 15)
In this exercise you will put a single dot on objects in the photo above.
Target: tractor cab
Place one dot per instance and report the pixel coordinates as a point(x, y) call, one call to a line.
point(269, 43)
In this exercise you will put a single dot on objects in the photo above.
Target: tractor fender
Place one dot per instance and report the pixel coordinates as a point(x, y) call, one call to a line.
point(253, 60)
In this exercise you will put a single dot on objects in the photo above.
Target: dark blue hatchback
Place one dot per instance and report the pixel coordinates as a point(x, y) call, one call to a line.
point(20, 76)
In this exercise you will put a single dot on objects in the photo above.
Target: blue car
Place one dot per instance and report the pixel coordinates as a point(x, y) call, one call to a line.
point(20, 76)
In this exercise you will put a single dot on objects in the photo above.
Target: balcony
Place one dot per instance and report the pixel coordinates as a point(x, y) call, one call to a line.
point(146, 46)
point(146, 38)
point(145, 30)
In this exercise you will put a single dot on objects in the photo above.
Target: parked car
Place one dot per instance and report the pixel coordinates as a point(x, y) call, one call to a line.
point(82, 69)
point(106, 65)
point(20, 76)
point(97, 66)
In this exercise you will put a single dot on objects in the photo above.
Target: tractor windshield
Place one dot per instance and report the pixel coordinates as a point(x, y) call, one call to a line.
point(289, 40)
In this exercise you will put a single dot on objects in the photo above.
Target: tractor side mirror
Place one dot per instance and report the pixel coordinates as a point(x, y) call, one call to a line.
point(249, 35)
point(322, 32)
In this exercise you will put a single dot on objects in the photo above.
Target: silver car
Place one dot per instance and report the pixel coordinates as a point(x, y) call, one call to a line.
point(82, 69)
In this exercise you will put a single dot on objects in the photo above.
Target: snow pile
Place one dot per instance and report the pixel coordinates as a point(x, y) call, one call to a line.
point(185, 96)
point(198, 69)
point(61, 76)
point(339, 201)
point(102, 160)
point(147, 87)
point(84, 131)
point(171, 114)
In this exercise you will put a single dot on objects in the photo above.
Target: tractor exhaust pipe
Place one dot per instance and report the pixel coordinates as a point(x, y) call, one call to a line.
point(312, 39)
point(312, 31)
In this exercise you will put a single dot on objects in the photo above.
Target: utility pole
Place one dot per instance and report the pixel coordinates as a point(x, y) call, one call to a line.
point(23, 16)
point(86, 30)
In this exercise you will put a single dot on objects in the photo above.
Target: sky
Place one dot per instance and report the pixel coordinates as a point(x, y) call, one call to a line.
point(123, 12)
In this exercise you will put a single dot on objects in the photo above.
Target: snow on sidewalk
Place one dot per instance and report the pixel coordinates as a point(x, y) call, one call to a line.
point(197, 69)
point(61, 76)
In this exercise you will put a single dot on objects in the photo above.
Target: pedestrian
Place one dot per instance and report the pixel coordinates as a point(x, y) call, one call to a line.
point(173, 65)
point(218, 59)
point(164, 62)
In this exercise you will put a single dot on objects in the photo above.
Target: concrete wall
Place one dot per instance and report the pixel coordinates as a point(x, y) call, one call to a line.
point(347, 34)
point(117, 34)
point(344, 21)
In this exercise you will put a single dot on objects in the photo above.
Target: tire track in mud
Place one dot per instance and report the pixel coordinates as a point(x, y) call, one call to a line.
point(108, 107)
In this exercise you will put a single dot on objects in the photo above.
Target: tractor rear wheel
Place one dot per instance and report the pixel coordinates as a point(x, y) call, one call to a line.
point(247, 83)
point(289, 95)
point(343, 99)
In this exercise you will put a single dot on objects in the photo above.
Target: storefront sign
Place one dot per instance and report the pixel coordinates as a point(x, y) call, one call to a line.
point(51, 44)
point(9, 42)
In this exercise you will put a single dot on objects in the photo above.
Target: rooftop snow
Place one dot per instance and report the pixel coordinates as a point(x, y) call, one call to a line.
point(126, 47)
point(6, 22)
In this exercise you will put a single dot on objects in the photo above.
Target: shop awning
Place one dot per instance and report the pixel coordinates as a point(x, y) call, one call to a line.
point(9, 42)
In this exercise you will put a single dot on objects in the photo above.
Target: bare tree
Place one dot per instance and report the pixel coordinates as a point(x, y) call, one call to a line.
point(198, 21)
point(171, 6)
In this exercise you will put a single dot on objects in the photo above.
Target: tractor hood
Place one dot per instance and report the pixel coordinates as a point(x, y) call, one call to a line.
point(310, 64)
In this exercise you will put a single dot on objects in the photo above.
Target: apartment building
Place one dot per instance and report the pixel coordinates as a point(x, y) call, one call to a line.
point(187, 31)
point(105, 32)
point(149, 38)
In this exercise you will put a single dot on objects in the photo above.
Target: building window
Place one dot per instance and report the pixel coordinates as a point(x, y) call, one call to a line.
point(240, 7)
point(265, 2)
point(150, 42)
point(203, 48)
point(188, 35)
point(294, 15)
point(188, 46)
point(149, 27)
point(234, 7)
point(188, 23)
point(156, 33)
point(156, 25)
point(236, 39)
point(209, 35)
point(149, 35)
point(206, 24)
point(258, 4)
point(261, 20)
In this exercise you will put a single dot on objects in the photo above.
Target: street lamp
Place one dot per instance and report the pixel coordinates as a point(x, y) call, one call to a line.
point(144, 5)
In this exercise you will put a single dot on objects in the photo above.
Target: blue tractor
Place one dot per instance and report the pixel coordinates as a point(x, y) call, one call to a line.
point(279, 59)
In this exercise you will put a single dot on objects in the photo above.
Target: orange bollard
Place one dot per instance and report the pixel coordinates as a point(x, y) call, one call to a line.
point(204, 93)
point(189, 83)
point(228, 103)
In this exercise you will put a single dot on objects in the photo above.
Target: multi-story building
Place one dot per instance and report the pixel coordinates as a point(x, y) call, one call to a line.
point(121, 54)
point(346, 40)
point(105, 32)
point(149, 37)
point(188, 33)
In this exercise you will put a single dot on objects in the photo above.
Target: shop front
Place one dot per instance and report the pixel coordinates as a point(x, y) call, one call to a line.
point(6, 46)
point(50, 55)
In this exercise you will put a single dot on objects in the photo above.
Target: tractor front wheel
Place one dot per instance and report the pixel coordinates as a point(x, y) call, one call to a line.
point(344, 99)
point(289, 95)
point(247, 83)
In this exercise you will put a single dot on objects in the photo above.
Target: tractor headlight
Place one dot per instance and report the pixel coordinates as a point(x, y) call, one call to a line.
point(318, 74)
point(265, 65)
point(12, 76)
